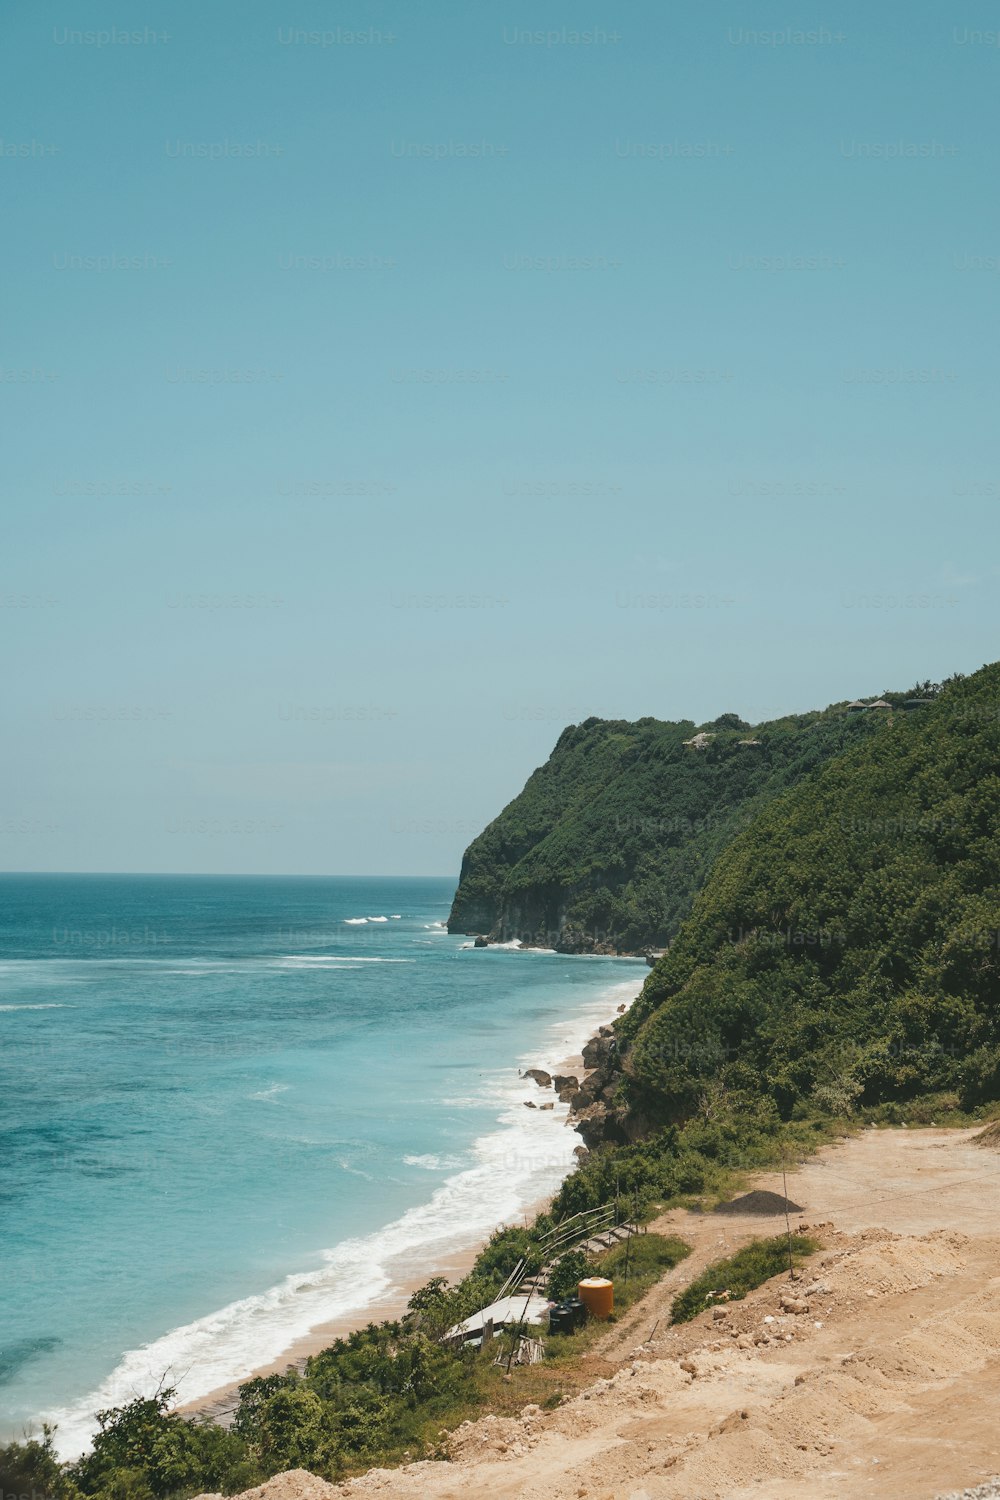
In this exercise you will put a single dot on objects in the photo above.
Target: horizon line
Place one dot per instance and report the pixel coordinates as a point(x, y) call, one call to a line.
point(224, 875)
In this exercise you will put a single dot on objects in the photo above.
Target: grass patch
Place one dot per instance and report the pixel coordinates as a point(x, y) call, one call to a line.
point(741, 1273)
point(646, 1259)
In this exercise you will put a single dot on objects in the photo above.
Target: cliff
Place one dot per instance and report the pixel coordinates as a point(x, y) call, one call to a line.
point(844, 952)
point(607, 845)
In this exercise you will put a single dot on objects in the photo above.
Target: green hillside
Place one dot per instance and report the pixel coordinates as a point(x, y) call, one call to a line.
point(845, 950)
point(608, 843)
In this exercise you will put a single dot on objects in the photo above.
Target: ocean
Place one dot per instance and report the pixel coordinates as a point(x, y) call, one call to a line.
point(232, 1109)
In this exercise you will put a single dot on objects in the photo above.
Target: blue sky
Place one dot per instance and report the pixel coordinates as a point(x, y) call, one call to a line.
point(377, 407)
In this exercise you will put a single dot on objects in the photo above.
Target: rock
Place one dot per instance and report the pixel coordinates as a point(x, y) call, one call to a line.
point(529, 1105)
point(792, 1304)
point(600, 1126)
point(550, 1105)
point(542, 1078)
point(689, 1367)
point(720, 1312)
point(597, 1051)
point(481, 942)
point(565, 1086)
point(587, 1093)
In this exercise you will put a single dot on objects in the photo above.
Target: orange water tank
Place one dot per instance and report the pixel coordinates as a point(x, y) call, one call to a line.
point(597, 1295)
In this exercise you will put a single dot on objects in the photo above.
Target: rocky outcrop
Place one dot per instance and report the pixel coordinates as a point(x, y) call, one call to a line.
point(598, 1111)
point(543, 923)
point(539, 1075)
point(595, 1113)
point(600, 1049)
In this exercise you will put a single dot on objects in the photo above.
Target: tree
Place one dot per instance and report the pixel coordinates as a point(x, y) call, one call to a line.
point(296, 1431)
point(144, 1450)
point(568, 1271)
point(31, 1468)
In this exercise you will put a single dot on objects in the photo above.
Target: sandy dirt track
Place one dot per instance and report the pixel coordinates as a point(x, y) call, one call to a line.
point(889, 1386)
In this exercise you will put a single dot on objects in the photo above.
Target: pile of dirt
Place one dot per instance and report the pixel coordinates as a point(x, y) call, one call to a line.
point(881, 1263)
point(758, 1203)
point(989, 1137)
point(295, 1484)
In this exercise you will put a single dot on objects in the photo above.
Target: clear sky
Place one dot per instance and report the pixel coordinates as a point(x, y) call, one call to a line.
point(375, 408)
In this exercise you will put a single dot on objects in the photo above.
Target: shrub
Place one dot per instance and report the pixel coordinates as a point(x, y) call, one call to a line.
point(567, 1272)
point(741, 1273)
point(31, 1468)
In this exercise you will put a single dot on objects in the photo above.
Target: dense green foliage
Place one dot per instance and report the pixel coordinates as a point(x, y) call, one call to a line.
point(568, 1271)
point(144, 1450)
point(610, 840)
point(31, 1469)
point(846, 949)
point(741, 1273)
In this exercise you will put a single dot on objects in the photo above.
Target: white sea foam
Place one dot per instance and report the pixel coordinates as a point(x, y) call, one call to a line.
point(396, 917)
point(513, 946)
point(378, 919)
point(333, 960)
point(271, 1092)
point(515, 1165)
point(51, 1005)
point(432, 1163)
point(355, 921)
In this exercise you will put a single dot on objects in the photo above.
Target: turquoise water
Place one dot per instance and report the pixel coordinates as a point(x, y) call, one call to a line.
point(232, 1109)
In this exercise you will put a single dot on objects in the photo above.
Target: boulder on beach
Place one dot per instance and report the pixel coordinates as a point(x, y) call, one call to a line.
point(542, 1078)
